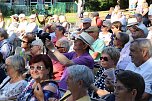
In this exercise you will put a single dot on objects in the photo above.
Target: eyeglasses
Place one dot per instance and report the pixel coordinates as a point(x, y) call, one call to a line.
point(104, 58)
point(59, 47)
point(36, 67)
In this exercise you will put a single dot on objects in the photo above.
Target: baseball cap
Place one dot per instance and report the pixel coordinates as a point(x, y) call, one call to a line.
point(86, 20)
point(107, 23)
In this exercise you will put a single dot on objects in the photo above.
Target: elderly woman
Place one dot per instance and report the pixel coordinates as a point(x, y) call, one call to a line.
point(14, 84)
point(129, 86)
point(80, 56)
point(109, 59)
point(41, 70)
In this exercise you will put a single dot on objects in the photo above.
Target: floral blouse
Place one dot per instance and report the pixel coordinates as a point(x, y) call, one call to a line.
point(11, 90)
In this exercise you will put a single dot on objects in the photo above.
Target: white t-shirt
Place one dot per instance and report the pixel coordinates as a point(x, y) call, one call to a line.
point(105, 37)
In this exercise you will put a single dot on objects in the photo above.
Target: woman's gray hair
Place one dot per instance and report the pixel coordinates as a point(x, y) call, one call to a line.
point(144, 43)
point(18, 63)
point(113, 53)
point(81, 72)
point(64, 43)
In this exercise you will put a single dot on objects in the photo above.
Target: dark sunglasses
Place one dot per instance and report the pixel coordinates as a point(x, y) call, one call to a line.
point(104, 58)
point(59, 47)
point(36, 67)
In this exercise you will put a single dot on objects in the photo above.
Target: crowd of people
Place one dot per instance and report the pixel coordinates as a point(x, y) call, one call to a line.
point(101, 59)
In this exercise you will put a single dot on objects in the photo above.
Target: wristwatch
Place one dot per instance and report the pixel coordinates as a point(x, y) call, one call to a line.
point(53, 50)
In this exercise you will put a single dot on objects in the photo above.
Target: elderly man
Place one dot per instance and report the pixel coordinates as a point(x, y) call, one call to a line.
point(80, 56)
point(98, 44)
point(36, 47)
point(78, 85)
point(86, 23)
point(141, 55)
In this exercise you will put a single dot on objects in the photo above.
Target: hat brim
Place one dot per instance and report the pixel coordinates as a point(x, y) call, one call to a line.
point(131, 24)
point(81, 38)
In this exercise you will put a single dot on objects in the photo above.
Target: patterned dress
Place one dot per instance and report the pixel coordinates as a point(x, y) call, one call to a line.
point(99, 82)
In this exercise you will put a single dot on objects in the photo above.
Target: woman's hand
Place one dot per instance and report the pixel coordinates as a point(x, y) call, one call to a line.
point(38, 92)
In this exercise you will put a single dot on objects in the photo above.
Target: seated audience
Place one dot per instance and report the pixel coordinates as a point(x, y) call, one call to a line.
point(80, 56)
point(77, 85)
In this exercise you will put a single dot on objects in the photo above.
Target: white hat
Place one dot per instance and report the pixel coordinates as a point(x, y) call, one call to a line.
point(15, 15)
point(85, 20)
point(32, 16)
point(22, 15)
point(37, 42)
point(132, 21)
point(87, 39)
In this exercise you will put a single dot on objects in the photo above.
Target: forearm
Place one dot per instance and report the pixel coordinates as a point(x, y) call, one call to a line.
point(100, 92)
point(56, 55)
point(94, 55)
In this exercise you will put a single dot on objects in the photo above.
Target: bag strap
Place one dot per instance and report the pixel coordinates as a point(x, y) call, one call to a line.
point(5, 83)
point(65, 97)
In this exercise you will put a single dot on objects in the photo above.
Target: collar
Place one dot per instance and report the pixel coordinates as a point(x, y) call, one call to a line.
point(145, 64)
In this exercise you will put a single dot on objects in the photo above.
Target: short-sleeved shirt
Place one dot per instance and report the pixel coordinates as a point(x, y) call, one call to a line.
point(145, 70)
point(98, 46)
point(58, 69)
point(105, 37)
point(84, 59)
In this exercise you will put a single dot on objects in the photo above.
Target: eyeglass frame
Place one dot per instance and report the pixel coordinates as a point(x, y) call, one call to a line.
point(36, 67)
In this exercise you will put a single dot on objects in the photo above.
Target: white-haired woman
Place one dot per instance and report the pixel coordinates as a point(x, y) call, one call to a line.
point(13, 85)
